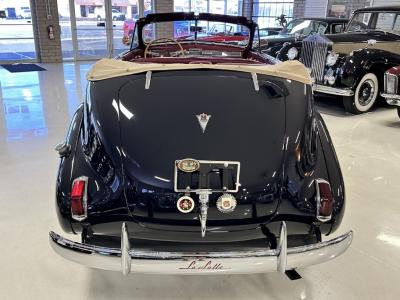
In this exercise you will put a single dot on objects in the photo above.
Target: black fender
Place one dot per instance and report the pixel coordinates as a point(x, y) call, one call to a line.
point(92, 157)
point(364, 61)
point(335, 175)
point(63, 182)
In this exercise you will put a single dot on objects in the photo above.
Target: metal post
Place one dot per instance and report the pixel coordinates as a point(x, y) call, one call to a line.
point(141, 8)
point(109, 27)
point(72, 19)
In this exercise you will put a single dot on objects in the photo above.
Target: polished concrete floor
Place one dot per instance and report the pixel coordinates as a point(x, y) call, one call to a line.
point(34, 114)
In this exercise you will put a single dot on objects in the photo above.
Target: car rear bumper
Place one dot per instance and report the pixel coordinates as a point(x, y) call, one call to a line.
point(127, 259)
point(392, 99)
point(332, 90)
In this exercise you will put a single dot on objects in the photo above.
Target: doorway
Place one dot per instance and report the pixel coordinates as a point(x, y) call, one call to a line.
point(94, 29)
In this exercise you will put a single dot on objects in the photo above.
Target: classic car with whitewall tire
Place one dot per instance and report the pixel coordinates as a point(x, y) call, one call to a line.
point(352, 64)
point(159, 174)
point(286, 45)
point(391, 87)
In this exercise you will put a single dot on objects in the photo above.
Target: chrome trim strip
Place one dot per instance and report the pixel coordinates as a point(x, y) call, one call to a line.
point(126, 260)
point(282, 247)
point(332, 91)
point(239, 262)
point(255, 81)
point(148, 80)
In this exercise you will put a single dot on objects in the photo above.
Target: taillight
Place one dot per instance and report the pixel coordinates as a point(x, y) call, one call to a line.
point(79, 198)
point(324, 200)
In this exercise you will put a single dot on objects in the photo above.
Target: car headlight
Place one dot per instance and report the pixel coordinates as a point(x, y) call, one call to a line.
point(331, 59)
point(391, 83)
point(330, 77)
point(292, 53)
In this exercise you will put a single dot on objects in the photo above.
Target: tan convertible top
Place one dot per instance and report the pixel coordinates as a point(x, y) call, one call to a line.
point(110, 68)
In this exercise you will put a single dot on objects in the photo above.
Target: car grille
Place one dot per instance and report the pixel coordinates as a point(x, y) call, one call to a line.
point(313, 55)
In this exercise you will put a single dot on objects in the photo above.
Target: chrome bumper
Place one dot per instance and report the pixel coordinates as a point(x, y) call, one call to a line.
point(332, 90)
point(129, 260)
point(392, 99)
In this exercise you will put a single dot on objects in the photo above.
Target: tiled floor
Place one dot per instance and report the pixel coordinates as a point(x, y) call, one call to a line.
point(34, 114)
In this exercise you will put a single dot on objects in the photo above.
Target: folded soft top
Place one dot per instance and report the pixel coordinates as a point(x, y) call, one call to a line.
point(110, 68)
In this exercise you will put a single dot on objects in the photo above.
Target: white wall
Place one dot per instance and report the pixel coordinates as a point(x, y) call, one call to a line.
point(316, 8)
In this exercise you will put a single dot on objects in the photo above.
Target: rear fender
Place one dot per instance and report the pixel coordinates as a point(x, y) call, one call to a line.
point(63, 183)
point(335, 176)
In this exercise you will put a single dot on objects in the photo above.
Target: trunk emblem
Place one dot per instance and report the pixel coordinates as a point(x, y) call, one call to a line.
point(226, 203)
point(203, 120)
point(188, 165)
point(185, 204)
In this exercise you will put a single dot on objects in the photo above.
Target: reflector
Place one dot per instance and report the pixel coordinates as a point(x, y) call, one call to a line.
point(324, 199)
point(78, 198)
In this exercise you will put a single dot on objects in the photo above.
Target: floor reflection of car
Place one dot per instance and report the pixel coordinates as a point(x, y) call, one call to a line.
point(391, 87)
point(295, 31)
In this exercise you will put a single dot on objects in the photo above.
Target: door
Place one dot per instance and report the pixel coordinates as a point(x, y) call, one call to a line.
point(95, 29)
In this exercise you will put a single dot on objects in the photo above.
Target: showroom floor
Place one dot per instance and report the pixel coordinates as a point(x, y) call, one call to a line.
point(36, 108)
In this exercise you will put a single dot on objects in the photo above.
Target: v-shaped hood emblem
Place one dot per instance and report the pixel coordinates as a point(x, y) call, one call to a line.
point(203, 120)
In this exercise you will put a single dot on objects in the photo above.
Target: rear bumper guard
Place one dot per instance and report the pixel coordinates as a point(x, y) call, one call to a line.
point(128, 259)
point(392, 99)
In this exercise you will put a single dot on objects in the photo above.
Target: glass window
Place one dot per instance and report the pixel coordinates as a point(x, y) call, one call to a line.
point(267, 12)
point(359, 22)
point(337, 28)
point(305, 27)
point(17, 40)
point(224, 7)
point(182, 31)
point(396, 26)
point(387, 21)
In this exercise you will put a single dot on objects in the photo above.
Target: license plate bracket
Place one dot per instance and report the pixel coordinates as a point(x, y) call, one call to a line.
point(214, 176)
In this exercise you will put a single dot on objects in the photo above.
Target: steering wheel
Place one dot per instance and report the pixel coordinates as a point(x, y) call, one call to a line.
point(160, 40)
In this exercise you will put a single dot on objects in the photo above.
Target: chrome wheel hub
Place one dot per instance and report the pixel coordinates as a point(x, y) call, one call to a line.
point(366, 93)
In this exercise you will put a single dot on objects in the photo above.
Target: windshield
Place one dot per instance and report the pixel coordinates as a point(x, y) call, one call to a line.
point(305, 27)
point(366, 21)
point(218, 32)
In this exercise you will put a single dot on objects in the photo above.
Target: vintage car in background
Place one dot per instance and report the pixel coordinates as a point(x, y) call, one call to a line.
point(286, 45)
point(268, 31)
point(352, 64)
point(391, 90)
point(162, 172)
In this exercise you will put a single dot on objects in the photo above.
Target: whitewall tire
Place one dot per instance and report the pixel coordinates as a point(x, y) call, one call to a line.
point(365, 95)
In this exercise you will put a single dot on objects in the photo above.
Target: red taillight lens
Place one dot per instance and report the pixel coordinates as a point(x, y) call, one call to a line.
point(79, 198)
point(324, 199)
